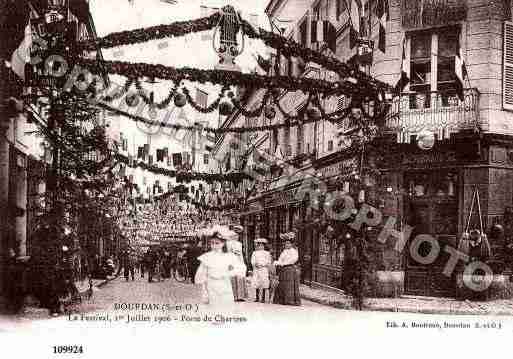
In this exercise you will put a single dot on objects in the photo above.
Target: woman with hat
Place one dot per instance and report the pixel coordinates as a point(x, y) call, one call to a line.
point(287, 292)
point(261, 260)
point(216, 269)
point(240, 288)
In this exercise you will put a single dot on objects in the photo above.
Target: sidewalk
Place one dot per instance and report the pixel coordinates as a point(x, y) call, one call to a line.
point(409, 304)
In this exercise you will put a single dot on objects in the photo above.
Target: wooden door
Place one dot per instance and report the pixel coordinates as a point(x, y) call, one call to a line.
point(438, 218)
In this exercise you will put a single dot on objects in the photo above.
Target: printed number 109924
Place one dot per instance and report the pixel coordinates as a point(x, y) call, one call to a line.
point(68, 349)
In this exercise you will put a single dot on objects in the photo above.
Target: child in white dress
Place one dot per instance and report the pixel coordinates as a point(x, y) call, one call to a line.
point(261, 260)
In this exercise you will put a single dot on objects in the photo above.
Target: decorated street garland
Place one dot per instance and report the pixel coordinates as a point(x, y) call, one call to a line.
point(195, 203)
point(184, 175)
point(225, 78)
point(137, 36)
point(175, 126)
point(287, 47)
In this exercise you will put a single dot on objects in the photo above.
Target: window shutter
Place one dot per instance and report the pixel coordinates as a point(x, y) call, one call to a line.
point(507, 77)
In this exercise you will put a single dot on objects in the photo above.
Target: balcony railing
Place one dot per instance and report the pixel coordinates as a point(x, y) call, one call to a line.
point(440, 112)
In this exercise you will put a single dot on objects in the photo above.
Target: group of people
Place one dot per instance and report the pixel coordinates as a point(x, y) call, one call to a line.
point(159, 263)
point(222, 271)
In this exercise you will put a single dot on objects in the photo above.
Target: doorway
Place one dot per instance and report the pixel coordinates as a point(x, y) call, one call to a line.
point(431, 208)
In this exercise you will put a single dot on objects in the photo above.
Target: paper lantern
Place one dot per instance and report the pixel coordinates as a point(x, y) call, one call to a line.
point(180, 100)
point(425, 140)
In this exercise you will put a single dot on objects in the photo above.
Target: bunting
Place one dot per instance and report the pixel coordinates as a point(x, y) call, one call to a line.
point(324, 33)
point(460, 69)
point(383, 15)
point(354, 26)
point(404, 80)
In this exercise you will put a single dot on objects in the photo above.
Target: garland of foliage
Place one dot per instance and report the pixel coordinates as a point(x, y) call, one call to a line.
point(224, 77)
point(137, 36)
point(208, 129)
point(274, 95)
point(288, 47)
point(184, 176)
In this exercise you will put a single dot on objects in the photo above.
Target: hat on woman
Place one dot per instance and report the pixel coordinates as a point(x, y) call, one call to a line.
point(261, 240)
point(289, 236)
point(225, 234)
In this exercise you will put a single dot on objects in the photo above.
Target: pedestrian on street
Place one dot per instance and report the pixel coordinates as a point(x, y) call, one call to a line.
point(217, 268)
point(150, 259)
point(287, 292)
point(261, 260)
point(141, 265)
point(158, 266)
point(192, 259)
point(240, 288)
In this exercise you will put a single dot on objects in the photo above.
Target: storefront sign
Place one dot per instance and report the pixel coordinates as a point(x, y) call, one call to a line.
point(435, 157)
point(344, 167)
point(280, 198)
point(417, 14)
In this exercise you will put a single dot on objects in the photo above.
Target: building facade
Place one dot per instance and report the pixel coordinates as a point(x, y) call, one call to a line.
point(23, 159)
point(429, 189)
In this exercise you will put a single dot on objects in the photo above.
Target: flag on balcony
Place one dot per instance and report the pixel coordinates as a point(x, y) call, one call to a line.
point(265, 64)
point(160, 155)
point(17, 34)
point(460, 69)
point(140, 152)
point(177, 159)
point(383, 14)
point(323, 32)
point(404, 79)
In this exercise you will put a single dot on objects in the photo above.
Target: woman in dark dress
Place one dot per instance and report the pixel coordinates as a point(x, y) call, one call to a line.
point(287, 292)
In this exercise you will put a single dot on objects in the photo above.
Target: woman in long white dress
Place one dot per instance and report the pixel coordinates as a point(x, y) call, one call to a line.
point(261, 260)
point(217, 268)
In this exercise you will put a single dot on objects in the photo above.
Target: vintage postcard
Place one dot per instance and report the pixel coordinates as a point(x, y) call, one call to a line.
point(281, 173)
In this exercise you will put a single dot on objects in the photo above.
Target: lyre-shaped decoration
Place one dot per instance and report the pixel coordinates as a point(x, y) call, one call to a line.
point(225, 40)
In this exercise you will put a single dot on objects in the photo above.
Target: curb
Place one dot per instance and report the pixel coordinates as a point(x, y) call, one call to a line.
point(390, 309)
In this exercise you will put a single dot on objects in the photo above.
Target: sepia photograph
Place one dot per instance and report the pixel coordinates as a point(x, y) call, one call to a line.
point(283, 167)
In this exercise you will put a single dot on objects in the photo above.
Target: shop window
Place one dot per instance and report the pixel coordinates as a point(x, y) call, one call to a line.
point(330, 252)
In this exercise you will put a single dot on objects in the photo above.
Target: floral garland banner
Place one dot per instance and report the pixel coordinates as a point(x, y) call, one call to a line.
point(274, 96)
point(287, 47)
point(287, 124)
point(226, 78)
point(193, 176)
